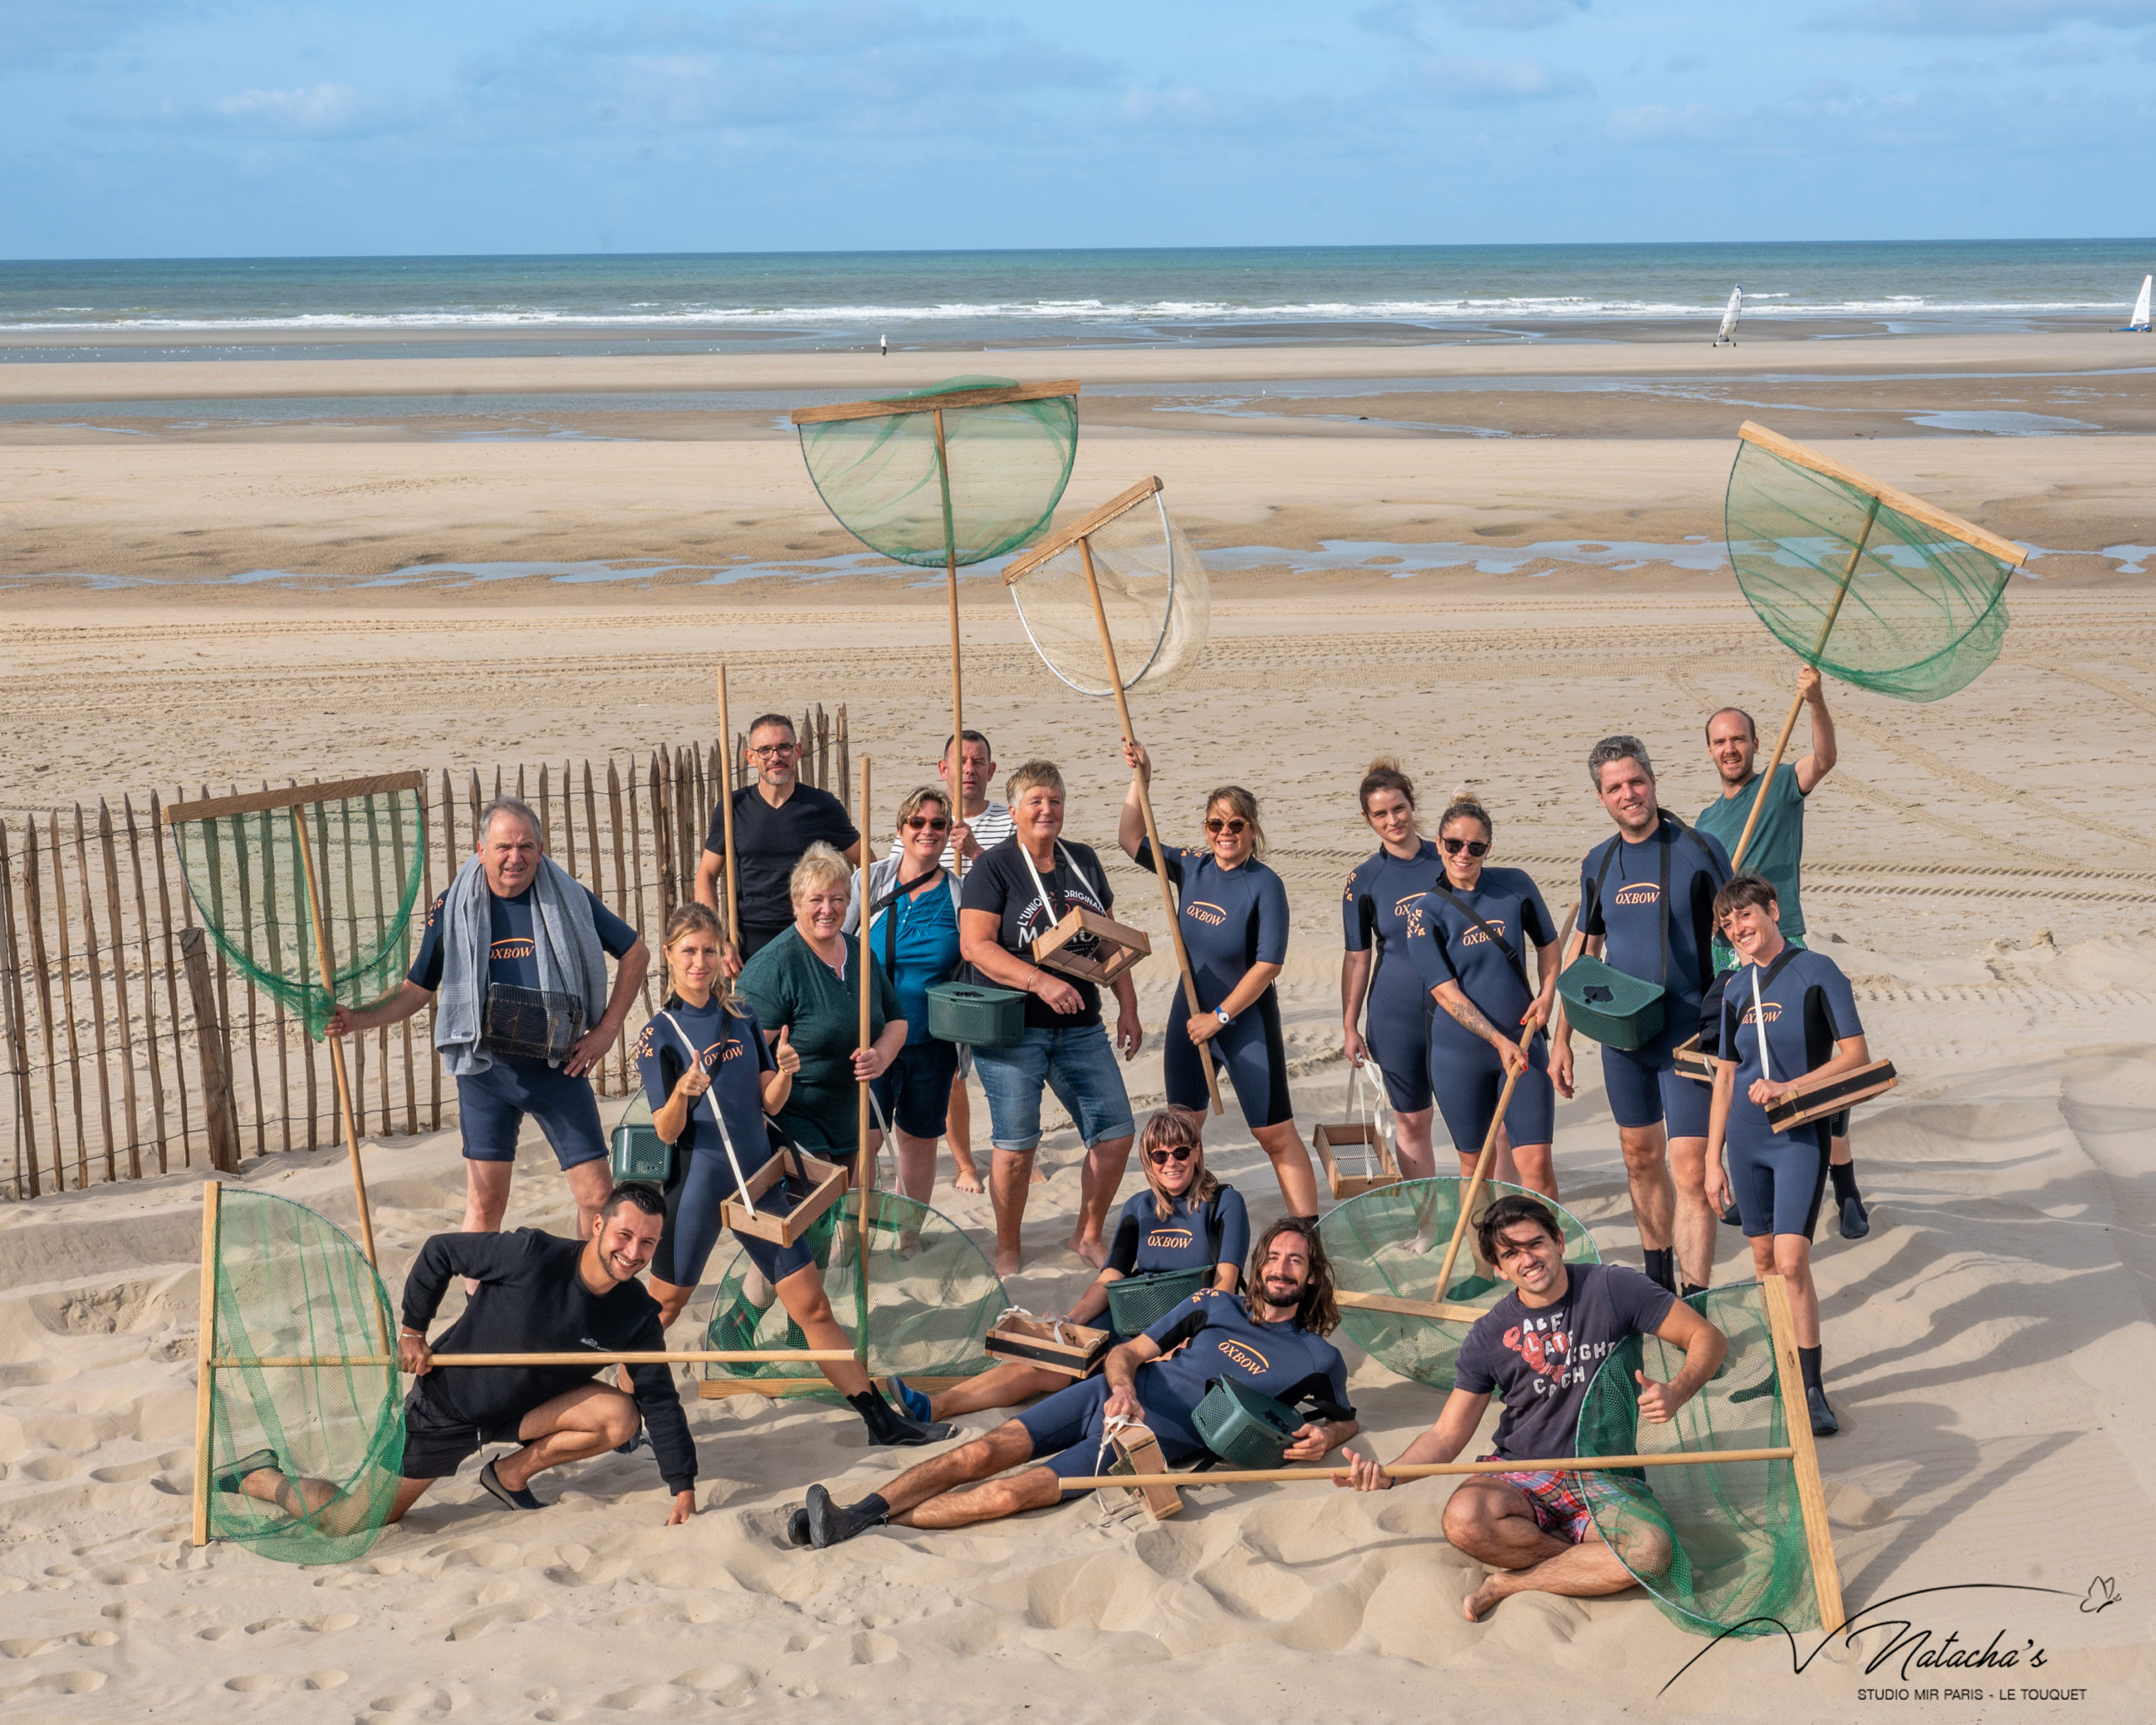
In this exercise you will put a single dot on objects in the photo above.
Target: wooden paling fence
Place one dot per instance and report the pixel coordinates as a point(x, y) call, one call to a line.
point(131, 1049)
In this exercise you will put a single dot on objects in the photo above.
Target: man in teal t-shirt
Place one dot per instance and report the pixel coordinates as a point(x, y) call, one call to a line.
point(1776, 851)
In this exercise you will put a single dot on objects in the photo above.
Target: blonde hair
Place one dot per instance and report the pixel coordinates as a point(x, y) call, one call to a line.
point(693, 918)
point(1033, 772)
point(1243, 803)
point(1168, 1129)
point(818, 862)
point(917, 796)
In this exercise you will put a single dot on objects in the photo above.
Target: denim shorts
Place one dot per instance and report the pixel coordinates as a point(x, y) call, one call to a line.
point(1078, 1065)
point(492, 1107)
point(915, 1091)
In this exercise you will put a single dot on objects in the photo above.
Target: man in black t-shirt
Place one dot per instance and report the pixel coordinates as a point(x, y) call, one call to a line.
point(1538, 1348)
point(776, 819)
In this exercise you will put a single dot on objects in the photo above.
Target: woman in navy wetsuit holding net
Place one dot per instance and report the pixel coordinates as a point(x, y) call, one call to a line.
point(1234, 912)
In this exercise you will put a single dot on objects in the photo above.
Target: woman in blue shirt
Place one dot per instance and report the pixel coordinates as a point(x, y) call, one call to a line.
point(913, 930)
point(1378, 984)
point(1233, 913)
point(1810, 1028)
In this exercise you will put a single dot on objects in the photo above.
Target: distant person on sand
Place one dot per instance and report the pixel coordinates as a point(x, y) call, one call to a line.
point(980, 824)
point(1536, 1527)
point(1270, 1338)
point(1646, 899)
point(1019, 890)
point(514, 925)
point(776, 819)
point(537, 1294)
point(1776, 853)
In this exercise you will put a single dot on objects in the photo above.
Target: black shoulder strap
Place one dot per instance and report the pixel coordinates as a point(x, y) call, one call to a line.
point(1214, 1228)
point(1504, 945)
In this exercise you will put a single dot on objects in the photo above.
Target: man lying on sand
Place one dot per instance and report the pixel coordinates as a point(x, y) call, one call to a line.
point(538, 1295)
point(1270, 1336)
point(1540, 1347)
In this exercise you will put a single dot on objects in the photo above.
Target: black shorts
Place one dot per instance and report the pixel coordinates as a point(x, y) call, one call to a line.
point(435, 1447)
point(915, 1091)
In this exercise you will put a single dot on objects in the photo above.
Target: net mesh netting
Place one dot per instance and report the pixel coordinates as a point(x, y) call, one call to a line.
point(1925, 611)
point(932, 1296)
point(244, 874)
point(1717, 1547)
point(292, 1286)
point(1009, 463)
point(1392, 1240)
point(1154, 592)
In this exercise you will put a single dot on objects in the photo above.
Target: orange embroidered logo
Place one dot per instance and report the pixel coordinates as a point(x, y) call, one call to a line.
point(1249, 1358)
point(516, 947)
point(1475, 937)
point(1171, 1239)
point(1402, 907)
point(1645, 892)
point(1773, 1013)
point(1212, 916)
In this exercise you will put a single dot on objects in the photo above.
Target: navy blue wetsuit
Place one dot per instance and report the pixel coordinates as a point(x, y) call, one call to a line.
point(1283, 1361)
point(1232, 918)
point(1642, 1082)
point(1194, 1236)
point(1778, 1177)
point(1448, 945)
point(733, 1051)
point(1397, 1010)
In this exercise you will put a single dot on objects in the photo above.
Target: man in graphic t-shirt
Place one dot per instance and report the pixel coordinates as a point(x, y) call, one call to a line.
point(776, 819)
point(1537, 1348)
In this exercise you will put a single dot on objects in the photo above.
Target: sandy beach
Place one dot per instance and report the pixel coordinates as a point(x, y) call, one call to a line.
point(1981, 868)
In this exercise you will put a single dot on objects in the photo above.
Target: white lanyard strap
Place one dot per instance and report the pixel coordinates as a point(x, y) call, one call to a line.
point(1760, 1027)
point(1041, 886)
point(711, 1096)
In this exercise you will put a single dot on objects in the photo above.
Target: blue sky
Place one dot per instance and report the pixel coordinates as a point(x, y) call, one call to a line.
point(234, 127)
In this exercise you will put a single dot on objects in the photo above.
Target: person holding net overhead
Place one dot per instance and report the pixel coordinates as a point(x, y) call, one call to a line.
point(1019, 890)
point(1786, 1014)
point(1539, 1348)
point(1184, 1221)
point(1467, 940)
point(1389, 997)
point(514, 960)
point(712, 1078)
point(776, 819)
point(1234, 912)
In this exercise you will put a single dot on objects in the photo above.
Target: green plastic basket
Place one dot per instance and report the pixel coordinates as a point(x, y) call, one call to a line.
point(1245, 1428)
point(637, 1154)
point(1137, 1303)
point(1616, 1010)
point(972, 1013)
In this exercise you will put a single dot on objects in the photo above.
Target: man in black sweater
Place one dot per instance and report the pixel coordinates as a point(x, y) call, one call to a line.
point(537, 1294)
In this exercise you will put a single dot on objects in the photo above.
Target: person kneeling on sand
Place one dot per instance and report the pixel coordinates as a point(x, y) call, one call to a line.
point(1270, 1338)
point(1539, 1347)
point(537, 1294)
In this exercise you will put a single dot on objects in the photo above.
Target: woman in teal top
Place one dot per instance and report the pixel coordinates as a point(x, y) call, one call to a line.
point(807, 982)
point(913, 930)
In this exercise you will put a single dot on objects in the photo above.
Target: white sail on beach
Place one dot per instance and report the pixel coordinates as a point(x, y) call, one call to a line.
point(1728, 331)
point(2139, 320)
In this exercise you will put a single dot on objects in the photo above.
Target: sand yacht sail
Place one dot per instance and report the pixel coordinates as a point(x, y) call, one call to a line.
point(2138, 323)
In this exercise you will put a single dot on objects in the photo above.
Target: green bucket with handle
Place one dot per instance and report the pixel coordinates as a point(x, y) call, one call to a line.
point(637, 1154)
point(1244, 1427)
point(1617, 1010)
point(1137, 1303)
point(976, 1014)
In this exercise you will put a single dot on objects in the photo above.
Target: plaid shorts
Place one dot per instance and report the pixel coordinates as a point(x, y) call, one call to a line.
point(1563, 1502)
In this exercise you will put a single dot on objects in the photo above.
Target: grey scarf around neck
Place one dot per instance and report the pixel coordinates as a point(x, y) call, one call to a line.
point(570, 959)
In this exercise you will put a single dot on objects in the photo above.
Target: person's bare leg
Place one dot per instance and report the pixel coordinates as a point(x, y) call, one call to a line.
point(802, 1294)
point(1291, 1165)
point(1646, 1172)
point(958, 1132)
point(486, 1200)
point(1538, 1169)
point(336, 1512)
point(1036, 1488)
point(574, 1426)
point(588, 1184)
point(1103, 1173)
point(917, 1166)
point(1494, 1524)
point(1694, 1233)
point(1839, 1151)
point(977, 1459)
point(1009, 1174)
point(1410, 1143)
point(1005, 1386)
point(673, 1300)
point(1791, 1255)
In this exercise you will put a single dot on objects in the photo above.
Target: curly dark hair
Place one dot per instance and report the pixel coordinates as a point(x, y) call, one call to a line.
point(1514, 1207)
point(1315, 1311)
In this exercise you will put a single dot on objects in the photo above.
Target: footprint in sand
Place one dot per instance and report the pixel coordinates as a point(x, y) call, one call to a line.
point(322, 1679)
point(411, 1700)
point(249, 1684)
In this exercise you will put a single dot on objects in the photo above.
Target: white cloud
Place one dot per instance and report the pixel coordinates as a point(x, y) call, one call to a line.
point(1472, 82)
point(1694, 123)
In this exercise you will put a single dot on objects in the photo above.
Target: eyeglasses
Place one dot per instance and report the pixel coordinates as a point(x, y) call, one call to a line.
point(772, 751)
point(1474, 847)
point(1161, 1158)
point(1233, 828)
point(919, 822)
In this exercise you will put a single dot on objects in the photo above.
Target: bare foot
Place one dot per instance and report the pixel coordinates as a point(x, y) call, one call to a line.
point(1484, 1597)
point(967, 1177)
point(1091, 1249)
point(1038, 1179)
point(1006, 1261)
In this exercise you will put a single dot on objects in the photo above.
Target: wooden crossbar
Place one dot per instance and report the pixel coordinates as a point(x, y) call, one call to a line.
point(1900, 501)
point(1122, 503)
point(1409, 1308)
point(733, 1356)
point(930, 404)
point(1433, 1470)
point(297, 797)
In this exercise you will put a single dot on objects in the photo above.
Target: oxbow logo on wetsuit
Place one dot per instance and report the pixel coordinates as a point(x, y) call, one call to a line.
point(1212, 916)
point(1475, 937)
point(1645, 892)
point(517, 945)
point(1170, 1239)
point(1404, 907)
point(1773, 1013)
point(1249, 1358)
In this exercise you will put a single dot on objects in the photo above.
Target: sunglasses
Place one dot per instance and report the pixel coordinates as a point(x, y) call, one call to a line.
point(1474, 847)
point(1233, 828)
point(1161, 1158)
point(919, 823)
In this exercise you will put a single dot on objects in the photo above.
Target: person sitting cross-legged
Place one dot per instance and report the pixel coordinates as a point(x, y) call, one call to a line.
point(538, 1293)
point(1539, 1347)
point(1270, 1337)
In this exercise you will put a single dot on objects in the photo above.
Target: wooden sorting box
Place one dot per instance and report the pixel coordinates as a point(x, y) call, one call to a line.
point(1370, 1147)
point(826, 1182)
point(1137, 1450)
point(1119, 947)
point(1071, 1349)
point(1694, 1062)
point(1816, 1097)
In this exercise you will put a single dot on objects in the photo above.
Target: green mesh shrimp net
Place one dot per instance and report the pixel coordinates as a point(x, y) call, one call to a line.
point(305, 1371)
point(1392, 1240)
point(1721, 1548)
point(1868, 584)
point(995, 484)
point(243, 870)
point(1155, 600)
point(932, 1295)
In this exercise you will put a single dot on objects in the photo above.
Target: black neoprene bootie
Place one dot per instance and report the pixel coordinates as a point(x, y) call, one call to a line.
point(832, 1524)
point(886, 1425)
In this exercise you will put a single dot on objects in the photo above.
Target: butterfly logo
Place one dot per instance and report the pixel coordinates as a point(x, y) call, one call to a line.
point(2103, 1591)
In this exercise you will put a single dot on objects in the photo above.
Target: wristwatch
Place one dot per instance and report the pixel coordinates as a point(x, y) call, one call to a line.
point(1224, 1016)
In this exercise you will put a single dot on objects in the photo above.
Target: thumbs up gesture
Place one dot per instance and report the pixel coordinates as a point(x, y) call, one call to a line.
point(787, 1056)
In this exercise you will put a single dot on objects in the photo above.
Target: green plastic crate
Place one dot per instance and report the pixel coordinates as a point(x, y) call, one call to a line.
point(1137, 1303)
point(973, 1013)
point(1245, 1428)
point(1616, 1010)
point(637, 1153)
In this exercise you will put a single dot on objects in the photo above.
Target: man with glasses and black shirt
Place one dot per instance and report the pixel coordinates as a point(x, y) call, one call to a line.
point(776, 819)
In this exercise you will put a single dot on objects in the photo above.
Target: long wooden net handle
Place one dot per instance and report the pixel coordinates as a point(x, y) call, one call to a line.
point(205, 1357)
point(1432, 1470)
point(957, 693)
point(1810, 1490)
point(723, 1356)
point(336, 1042)
point(865, 1159)
point(726, 814)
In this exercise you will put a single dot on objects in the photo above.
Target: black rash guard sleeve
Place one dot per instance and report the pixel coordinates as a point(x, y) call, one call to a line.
point(1122, 1255)
point(484, 1257)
